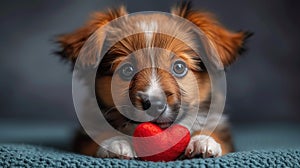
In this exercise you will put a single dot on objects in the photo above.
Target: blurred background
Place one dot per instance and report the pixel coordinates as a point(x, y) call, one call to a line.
point(263, 85)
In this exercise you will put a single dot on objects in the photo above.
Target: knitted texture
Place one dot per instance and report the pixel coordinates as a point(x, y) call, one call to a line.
point(12, 155)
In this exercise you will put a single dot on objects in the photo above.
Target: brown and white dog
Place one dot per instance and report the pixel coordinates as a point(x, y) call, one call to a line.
point(156, 90)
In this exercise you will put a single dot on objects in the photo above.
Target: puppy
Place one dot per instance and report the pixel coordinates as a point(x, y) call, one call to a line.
point(159, 82)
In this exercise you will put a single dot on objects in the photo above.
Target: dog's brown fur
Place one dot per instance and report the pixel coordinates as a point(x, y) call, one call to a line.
point(228, 45)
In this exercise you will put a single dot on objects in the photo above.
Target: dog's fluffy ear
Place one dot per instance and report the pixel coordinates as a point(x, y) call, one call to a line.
point(71, 44)
point(228, 44)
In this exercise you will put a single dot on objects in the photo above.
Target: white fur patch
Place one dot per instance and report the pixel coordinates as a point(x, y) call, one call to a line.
point(205, 145)
point(116, 147)
point(154, 86)
point(148, 28)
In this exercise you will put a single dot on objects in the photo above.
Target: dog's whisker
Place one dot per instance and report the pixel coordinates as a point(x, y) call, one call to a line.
point(124, 92)
point(114, 108)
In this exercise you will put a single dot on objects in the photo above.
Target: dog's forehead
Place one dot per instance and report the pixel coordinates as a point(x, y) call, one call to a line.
point(149, 39)
point(150, 23)
point(149, 57)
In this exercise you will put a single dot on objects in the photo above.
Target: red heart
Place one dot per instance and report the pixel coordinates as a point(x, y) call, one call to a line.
point(166, 145)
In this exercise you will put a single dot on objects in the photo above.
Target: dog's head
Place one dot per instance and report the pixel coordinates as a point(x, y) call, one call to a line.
point(159, 72)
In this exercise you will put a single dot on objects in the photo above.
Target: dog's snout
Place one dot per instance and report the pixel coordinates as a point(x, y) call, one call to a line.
point(158, 104)
point(146, 104)
point(152, 104)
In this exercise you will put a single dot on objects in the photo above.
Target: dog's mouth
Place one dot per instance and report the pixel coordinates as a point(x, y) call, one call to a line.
point(163, 125)
point(163, 121)
point(165, 118)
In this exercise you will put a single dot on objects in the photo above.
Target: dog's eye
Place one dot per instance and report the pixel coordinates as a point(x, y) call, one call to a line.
point(179, 68)
point(126, 71)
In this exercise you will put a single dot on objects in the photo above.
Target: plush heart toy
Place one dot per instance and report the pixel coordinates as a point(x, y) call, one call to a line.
point(176, 134)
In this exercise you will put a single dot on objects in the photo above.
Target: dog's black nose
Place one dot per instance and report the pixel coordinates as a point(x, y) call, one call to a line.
point(158, 104)
point(152, 104)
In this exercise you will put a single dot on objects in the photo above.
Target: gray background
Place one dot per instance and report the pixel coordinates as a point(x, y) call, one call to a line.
point(35, 85)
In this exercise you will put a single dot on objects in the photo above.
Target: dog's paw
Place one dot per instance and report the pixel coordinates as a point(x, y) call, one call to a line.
point(116, 148)
point(203, 145)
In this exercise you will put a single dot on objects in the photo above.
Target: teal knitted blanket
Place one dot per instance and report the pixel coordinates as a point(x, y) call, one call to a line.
point(12, 155)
